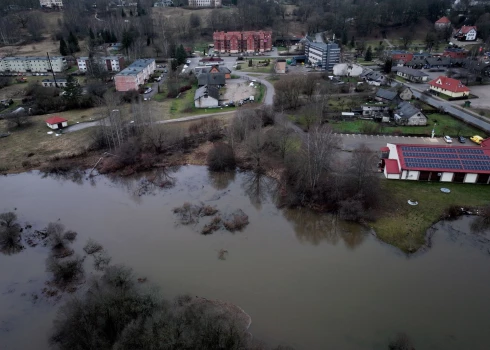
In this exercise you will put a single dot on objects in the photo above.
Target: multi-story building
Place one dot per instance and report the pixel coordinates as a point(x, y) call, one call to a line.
point(322, 55)
point(51, 3)
point(110, 63)
point(135, 74)
point(32, 64)
point(163, 3)
point(205, 3)
point(235, 42)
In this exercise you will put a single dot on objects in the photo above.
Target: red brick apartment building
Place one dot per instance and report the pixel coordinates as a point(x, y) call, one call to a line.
point(235, 42)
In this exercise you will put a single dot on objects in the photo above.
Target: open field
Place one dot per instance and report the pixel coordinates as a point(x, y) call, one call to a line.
point(405, 226)
point(31, 145)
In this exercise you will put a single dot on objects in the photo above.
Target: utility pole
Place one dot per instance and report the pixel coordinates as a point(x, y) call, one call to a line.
point(52, 71)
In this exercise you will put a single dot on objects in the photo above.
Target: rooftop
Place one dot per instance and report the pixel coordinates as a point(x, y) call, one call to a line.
point(56, 120)
point(410, 71)
point(136, 67)
point(450, 84)
point(444, 158)
point(31, 58)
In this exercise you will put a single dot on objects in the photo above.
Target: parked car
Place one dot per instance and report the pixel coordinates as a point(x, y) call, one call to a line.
point(448, 139)
point(477, 139)
point(147, 91)
point(188, 61)
point(461, 139)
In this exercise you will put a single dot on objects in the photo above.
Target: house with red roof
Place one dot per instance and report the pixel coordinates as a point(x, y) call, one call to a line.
point(442, 23)
point(449, 87)
point(56, 122)
point(437, 163)
point(466, 33)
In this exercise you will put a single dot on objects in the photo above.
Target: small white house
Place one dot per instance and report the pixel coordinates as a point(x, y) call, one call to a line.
point(56, 123)
point(206, 97)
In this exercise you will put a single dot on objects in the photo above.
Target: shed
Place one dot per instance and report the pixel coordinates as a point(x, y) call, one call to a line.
point(56, 122)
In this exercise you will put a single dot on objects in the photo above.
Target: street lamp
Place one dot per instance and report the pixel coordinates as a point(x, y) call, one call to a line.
point(433, 131)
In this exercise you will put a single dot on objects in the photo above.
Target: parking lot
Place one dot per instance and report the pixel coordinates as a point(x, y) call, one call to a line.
point(238, 90)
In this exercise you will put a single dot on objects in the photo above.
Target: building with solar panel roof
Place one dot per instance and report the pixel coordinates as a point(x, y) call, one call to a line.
point(462, 164)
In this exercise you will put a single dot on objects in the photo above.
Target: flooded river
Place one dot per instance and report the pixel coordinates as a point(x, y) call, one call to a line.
point(307, 280)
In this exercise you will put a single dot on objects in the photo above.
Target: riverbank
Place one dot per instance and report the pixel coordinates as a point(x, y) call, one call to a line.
point(405, 226)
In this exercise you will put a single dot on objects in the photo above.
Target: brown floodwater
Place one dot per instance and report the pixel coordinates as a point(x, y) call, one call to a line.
point(307, 280)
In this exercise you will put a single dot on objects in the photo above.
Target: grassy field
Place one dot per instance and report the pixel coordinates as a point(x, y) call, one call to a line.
point(405, 226)
point(445, 125)
point(31, 145)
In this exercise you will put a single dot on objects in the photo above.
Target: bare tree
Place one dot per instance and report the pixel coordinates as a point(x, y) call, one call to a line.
point(318, 152)
point(17, 118)
point(35, 25)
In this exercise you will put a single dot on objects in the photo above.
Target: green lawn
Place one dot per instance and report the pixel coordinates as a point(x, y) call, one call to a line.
point(260, 93)
point(445, 125)
point(405, 226)
point(184, 106)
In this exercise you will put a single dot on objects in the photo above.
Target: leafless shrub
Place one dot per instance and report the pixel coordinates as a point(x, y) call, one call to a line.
point(221, 157)
point(190, 213)
point(65, 270)
point(351, 210)
point(236, 221)
point(208, 210)
point(92, 247)
point(55, 232)
point(101, 260)
point(401, 342)
point(213, 226)
point(10, 239)
point(222, 254)
point(8, 219)
point(70, 236)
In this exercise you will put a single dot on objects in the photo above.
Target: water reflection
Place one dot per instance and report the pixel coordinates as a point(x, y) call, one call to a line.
point(258, 187)
point(221, 180)
point(314, 228)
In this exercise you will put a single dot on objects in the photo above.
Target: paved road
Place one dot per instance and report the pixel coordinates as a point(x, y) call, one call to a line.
point(449, 108)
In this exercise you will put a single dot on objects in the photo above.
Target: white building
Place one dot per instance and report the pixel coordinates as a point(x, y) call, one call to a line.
point(110, 63)
point(51, 3)
point(52, 83)
point(32, 64)
point(463, 164)
point(325, 56)
point(205, 3)
point(206, 97)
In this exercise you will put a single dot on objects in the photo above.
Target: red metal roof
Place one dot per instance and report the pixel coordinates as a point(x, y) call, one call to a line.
point(56, 120)
point(443, 20)
point(466, 29)
point(384, 149)
point(455, 159)
point(485, 143)
point(391, 166)
point(450, 84)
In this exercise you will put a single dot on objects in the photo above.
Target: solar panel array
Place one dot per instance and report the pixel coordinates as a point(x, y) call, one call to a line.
point(446, 158)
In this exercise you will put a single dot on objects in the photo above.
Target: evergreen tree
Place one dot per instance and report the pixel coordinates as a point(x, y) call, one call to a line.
point(113, 38)
point(388, 65)
point(127, 40)
point(352, 41)
point(64, 48)
point(345, 39)
point(148, 41)
point(174, 65)
point(91, 34)
point(123, 14)
point(131, 13)
point(73, 91)
point(73, 43)
point(180, 55)
point(369, 54)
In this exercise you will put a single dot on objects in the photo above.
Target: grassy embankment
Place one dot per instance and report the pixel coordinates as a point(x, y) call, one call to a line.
point(405, 226)
point(31, 146)
point(445, 125)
